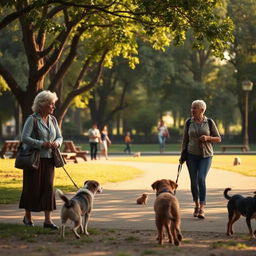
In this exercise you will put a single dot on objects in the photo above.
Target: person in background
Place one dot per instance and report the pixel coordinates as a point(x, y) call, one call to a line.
point(200, 133)
point(105, 141)
point(37, 192)
point(163, 134)
point(94, 140)
point(127, 141)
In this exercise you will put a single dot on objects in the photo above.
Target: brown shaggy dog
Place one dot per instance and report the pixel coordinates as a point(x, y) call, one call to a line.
point(167, 211)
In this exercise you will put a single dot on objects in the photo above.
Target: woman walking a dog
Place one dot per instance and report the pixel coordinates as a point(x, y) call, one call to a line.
point(38, 193)
point(200, 133)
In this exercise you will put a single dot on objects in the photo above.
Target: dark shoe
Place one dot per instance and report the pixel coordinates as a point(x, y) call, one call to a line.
point(51, 226)
point(28, 222)
point(201, 214)
point(196, 212)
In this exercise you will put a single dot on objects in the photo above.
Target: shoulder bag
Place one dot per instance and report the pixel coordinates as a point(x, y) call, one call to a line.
point(28, 157)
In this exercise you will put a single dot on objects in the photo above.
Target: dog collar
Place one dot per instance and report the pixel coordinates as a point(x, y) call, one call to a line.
point(164, 191)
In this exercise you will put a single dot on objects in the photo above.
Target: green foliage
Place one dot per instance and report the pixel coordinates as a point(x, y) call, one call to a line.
point(103, 30)
point(144, 119)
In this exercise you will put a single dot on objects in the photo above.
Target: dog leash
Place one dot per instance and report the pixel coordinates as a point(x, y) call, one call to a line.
point(178, 174)
point(70, 177)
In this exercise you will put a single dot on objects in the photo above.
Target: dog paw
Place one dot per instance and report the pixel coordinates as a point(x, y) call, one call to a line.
point(176, 242)
point(179, 236)
point(76, 234)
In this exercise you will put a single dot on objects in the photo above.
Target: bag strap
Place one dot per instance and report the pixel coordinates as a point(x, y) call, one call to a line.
point(209, 121)
point(35, 128)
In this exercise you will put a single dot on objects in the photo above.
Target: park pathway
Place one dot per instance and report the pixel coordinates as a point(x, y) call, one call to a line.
point(116, 207)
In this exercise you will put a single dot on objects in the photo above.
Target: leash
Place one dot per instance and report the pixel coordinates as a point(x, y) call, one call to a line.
point(70, 177)
point(178, 174)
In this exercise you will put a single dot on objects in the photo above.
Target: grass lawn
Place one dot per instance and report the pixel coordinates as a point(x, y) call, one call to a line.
point(11, 178)
point(225, 162)
point(169, 147)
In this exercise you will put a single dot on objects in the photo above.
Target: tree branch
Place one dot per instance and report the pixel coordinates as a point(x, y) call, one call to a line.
point(66, 64)
point(82, 89)
point(9, 79)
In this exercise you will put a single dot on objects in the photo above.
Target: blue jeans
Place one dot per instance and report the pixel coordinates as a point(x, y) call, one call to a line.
point(198, 168)
point(161, 140)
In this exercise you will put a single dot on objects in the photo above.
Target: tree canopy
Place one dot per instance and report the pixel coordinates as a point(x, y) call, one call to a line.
point(56, 35)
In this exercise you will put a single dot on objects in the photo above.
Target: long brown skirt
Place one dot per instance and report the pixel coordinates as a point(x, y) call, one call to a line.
point(37, 193)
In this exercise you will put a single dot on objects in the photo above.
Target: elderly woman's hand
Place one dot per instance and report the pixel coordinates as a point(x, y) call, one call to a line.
point(54, 145)
point(49, 144)
point(205, 138)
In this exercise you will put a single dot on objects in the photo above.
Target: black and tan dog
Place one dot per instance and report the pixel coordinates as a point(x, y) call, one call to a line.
point(167, 211)
point(78, 208)
point(237, 206)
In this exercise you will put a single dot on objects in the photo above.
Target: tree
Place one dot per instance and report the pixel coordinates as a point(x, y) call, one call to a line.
point(53, 32)
point(242, 53)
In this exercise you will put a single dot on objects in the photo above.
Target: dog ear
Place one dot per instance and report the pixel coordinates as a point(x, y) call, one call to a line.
point(173, 184)
point(155, 185)
point(95, 184)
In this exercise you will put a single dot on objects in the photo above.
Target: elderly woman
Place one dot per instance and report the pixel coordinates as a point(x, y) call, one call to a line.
point(38, 194)
point(200, 133)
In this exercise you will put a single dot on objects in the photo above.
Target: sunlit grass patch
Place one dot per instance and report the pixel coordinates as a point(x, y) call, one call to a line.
point(224, 162)
point(11, 178)
point(228, 244)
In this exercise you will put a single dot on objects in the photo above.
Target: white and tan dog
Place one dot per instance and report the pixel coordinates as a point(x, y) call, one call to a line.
point(78, 208)
point(137, 154)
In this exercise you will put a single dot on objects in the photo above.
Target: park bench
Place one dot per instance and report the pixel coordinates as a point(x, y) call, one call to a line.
point(9, 149)
point(70, 147)
point(69, 157)
point(243, 148)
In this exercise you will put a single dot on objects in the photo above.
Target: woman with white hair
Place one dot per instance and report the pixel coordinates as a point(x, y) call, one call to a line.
point(38, 193)
point(200, 133)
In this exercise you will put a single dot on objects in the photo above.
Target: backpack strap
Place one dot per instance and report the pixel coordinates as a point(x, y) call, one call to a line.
point(209, 121)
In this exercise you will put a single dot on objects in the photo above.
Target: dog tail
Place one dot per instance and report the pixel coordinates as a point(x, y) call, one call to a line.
point(226, 193)
point(63, 198)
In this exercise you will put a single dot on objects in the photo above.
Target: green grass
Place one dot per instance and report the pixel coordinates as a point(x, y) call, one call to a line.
point(22, 232)
point(11, 178)
point(224, 162)
point(169, 147)
point(229, 244)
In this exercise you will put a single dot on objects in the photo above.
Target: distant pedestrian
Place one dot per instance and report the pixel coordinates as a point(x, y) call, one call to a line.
point(163, 134)
point(128, 141)
point(94, 140)
point(105, 142)
point(200, 133)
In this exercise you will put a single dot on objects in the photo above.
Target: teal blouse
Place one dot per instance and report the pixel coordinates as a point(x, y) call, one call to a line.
point(46, 132)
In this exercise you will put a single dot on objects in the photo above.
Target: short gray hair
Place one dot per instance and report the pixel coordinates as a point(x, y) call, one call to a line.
point(42, 99)
point(200, 103)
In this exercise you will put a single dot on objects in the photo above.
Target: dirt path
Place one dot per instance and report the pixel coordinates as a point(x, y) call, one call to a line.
point(116, 208)
point(119, 227)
